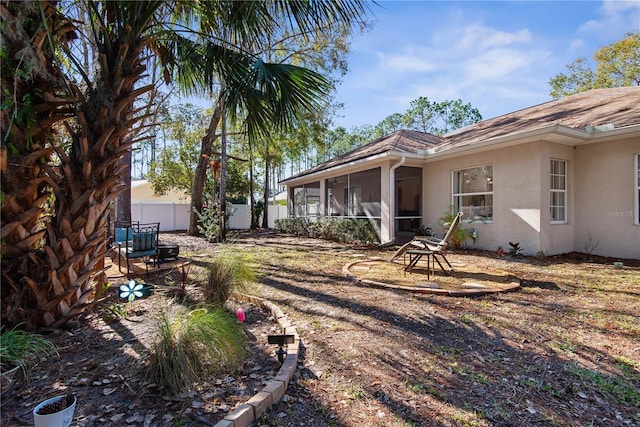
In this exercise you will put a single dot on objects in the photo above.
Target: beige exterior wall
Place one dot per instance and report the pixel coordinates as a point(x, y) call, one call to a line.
point(517, 195)
point(605, 198)
point(556, 238)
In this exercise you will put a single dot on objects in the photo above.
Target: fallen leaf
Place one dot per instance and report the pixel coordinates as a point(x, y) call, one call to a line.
point(107, 391)
point(116, 418)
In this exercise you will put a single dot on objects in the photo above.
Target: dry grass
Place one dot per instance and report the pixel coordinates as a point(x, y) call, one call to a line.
point(564, 350)
point(463, 278)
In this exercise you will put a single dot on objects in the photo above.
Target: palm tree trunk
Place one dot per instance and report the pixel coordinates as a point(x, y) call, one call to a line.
point(26, 146)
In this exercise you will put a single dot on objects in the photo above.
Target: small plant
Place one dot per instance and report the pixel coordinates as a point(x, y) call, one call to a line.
point(590, 245)
point(21, 348)
point(117, 312)
point(224, 275)
point(540, 255)
point(209, 224)
point(195, 345)
point(460, 235)
point(424, 230)
point(515, 249)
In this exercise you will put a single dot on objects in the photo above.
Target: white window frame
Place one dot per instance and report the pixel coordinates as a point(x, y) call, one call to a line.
point(562, 191)
point(637, 188)
point(455, 194)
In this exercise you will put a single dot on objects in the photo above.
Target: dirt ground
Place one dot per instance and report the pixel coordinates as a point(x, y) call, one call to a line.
point(563, 350)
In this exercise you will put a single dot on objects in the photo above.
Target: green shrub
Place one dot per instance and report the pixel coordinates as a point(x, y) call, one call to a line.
point(21, 348)
point(344, 230)
point(194, 346)
point(225, 274)
point(209, 221)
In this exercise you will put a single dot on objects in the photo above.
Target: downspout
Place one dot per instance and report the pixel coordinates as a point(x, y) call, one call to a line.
point(392, 196)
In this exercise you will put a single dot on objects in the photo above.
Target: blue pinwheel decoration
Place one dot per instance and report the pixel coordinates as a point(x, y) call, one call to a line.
point(131, 290)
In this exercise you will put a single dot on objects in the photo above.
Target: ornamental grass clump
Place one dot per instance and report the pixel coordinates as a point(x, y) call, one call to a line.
point(195, 345)
point(226, 274)
point(21, 348)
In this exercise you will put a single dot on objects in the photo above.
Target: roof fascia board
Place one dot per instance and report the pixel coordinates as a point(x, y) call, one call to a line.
point(616, 133)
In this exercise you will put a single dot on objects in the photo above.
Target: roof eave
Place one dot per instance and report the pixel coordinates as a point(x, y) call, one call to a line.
point(355, 164)
point(554, 133)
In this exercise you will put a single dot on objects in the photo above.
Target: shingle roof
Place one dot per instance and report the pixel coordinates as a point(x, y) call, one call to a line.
point(620, 106)
point(405, 141)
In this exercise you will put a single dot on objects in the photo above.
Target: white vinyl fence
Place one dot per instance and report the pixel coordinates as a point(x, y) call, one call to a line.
point(175, 216)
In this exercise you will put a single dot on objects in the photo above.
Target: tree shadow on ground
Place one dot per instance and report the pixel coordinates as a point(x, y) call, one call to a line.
point(452, 355)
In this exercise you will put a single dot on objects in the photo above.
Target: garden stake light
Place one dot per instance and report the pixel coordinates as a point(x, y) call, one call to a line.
point(280, 340)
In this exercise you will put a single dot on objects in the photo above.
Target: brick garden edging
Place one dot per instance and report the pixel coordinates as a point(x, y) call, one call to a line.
point(275, 389)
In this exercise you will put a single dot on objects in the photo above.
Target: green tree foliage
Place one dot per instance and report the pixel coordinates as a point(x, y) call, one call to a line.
point(390, 124)
point(173, 169)
point(277, 94)
point(616, 65)
point(439, 117)
point(175, 165)
point(423, 115)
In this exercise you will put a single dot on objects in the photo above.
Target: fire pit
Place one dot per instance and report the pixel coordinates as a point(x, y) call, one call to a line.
point(167, 250)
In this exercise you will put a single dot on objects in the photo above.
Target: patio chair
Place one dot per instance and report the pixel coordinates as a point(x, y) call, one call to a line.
point(436, 246)
point(122, 232)
point(137, 241)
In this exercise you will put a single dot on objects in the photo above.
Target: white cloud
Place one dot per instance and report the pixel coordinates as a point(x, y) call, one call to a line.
point(576, 44)
point(616, 17)
point(498, 64)
point(481, 37)
point(410, 61)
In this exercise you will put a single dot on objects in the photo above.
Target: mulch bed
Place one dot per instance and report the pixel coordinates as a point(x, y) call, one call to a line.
point(102, 362)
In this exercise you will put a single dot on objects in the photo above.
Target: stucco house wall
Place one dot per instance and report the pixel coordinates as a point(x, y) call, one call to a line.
point(556, 238)
point(606, 198)
point(516, 195)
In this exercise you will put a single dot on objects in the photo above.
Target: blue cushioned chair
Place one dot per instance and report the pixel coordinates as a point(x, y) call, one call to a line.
point(137, 241)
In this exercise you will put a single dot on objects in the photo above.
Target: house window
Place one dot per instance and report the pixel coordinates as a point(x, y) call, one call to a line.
point(637, 189)
point(558, 201)
point(473, 192)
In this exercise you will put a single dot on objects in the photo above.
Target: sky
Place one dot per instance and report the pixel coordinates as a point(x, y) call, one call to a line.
point(496, 55)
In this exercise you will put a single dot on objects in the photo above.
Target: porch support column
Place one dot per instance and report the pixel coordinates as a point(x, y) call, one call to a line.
point(322, 211)
point(385, 204)
point(289, 202)
point(392, 197)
